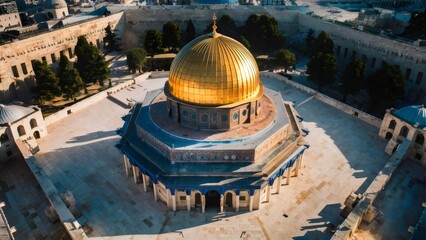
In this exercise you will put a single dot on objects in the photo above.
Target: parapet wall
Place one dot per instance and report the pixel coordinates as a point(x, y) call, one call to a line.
point(328, 100)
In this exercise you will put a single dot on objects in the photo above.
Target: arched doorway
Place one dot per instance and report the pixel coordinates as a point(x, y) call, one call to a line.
point(36, 135)
point(228, 199)
point(198, 200)
point(212, 199)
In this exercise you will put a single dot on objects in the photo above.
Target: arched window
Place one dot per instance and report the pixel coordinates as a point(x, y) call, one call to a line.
point(33, 123)
point(403, 132)
point(420, 139)
point(388, 135)
point(392, 124)
point(21, 130)
point(36, 135)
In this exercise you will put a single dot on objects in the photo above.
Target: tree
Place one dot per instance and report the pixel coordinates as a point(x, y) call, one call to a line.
point(190, 31)
point(385, 86)
point(226, 26)
point(136, 58)
point(90, 63)
point(245, 42)
point(323, 44)
point(352, 78)
point(47, 82)
point(285, 58)
point(322, 69)
point(309, 40)
point(69, 78)
point(263, 33)
point(110, 39)
point(171, 35)
point(153, 41)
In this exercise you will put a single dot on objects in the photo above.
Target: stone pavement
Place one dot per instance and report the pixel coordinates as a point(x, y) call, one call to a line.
point(79, 156)
point(25, 203)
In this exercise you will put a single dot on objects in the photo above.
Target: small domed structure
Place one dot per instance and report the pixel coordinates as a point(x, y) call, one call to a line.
point(12, 113)
point(415, 115)
point(56, 9)
point(214, 70)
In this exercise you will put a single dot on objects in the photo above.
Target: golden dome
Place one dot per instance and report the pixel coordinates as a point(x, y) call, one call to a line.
point(214, 69)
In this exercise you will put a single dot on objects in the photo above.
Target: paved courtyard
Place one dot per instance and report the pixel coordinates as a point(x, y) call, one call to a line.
point(79, 155)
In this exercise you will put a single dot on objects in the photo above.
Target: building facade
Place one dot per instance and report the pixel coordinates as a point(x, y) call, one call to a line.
point(214, 136)
point(9, 16)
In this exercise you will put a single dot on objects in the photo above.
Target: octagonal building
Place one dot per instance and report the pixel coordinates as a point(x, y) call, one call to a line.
point(214, 136)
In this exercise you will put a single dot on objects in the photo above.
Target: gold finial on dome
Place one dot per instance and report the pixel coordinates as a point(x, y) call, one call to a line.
point(214, 24)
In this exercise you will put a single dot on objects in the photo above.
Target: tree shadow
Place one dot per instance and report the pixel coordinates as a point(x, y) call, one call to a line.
point(92, 136)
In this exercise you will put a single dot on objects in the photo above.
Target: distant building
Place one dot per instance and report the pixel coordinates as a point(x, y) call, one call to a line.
point(18, 122)
point(9, 16)
point(56, 9)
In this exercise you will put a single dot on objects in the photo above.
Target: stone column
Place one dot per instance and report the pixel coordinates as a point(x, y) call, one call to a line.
point(237, 202)
point(188, 202)
point(268, 192)
point(155, 192)
point(221, 202)
point(278, 185)
point(203, 203)
point(145, 185)
point(251, 203)
point(126, 165)
point(174, 202)
point(288, 175)
point(135, 174)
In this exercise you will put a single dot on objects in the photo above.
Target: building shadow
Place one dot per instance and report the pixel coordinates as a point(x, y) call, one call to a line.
point(92, 136)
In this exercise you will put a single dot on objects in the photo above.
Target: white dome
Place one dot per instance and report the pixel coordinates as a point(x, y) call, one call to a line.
point(55, 4)
point(11, 113)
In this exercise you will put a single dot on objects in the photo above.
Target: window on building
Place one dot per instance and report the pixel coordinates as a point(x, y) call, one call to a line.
point(182, 198)
point(392, 124)
point(403, 132)
point(15, 71)
point(61, 53)
point(419, 77)
point(53, 57)
point(420, 139)
point(33, 123)
point(70, 52)
point(407, 73)
point(373, 62)
point(338, 51)
point(345, 53)
point(388, 135)
point(242, 198)
point(43, 59)
point(24, 68)
point(21, 130)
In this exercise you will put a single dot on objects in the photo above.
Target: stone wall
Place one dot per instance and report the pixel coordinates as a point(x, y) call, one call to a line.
point(15, 57)
point(328, 100)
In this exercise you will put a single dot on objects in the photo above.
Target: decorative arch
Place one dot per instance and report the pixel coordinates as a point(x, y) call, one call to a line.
point(229, 198)
point(404, 132)
point(420, 139)
point(33, 123)
point(21, 130)
point(392, 124)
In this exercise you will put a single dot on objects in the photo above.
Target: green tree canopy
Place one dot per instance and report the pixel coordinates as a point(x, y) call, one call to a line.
point(244, 41)
point(353, 78)
point(309, 40)
point(110, 39)
point(90, 64)
point(69, 78)
point(385, 86)
point(226, 26)
point(153, 41)
point(190, 31)
point(322, 68)
point(171, 35)
point(263, 33)
point(285, 58)
point(136, 58)
point(324, 44)
point(47, 82)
